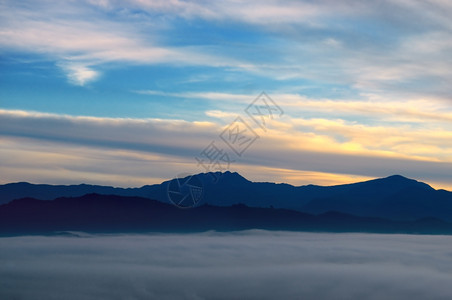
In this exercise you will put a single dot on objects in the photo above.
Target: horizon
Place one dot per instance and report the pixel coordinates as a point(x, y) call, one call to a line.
point(229, 172)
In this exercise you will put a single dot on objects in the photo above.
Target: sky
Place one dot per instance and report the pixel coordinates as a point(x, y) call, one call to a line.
point(251, 264)
point(134, 92)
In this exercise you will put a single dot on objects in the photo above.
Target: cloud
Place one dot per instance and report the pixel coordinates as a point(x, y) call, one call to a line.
point(311, 145)
point(82, 41)
point(145, 135)
point(79, 74)
point(248, 265)
point(362, 45)
point(420, 128)
point(220, 114)
point(415, 109)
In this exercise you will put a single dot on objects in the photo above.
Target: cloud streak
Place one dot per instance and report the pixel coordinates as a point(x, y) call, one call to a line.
point(303, 145)
point(79, 45)
point(327, 41)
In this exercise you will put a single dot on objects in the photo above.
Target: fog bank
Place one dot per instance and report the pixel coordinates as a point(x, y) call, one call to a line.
point(240, 265)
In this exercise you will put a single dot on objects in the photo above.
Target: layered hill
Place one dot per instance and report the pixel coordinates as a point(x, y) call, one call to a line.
point(394, 197)
point(96, 213)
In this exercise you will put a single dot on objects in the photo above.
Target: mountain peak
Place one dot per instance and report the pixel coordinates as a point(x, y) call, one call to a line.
point(228, 176)
point(404, 181)
point(233, 175)
point(398, 177)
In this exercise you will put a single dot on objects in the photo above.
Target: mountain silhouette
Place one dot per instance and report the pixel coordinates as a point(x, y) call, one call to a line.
point(94, 213)
point(394, 197)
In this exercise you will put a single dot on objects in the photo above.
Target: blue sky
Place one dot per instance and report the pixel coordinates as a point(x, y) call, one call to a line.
point(127, 93)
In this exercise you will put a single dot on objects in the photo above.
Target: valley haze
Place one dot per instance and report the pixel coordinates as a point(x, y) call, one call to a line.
point(251, 264)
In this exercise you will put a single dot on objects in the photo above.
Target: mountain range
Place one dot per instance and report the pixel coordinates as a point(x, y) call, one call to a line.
point(228, 201)
point(394, 197)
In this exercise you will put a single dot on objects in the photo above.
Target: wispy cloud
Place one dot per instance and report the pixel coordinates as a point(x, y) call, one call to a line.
point(82, 40)
point(366, 46)
point(79, 74)
point(408, 110)
point(217, 96)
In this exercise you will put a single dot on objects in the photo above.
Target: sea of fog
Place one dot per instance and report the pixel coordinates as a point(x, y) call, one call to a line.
point(250, 264)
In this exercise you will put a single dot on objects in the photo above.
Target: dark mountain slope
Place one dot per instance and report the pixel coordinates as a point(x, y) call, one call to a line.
point(118, 214)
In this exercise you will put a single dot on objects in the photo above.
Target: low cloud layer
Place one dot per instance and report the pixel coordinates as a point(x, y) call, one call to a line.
point(242, 265)
point(134, 152)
